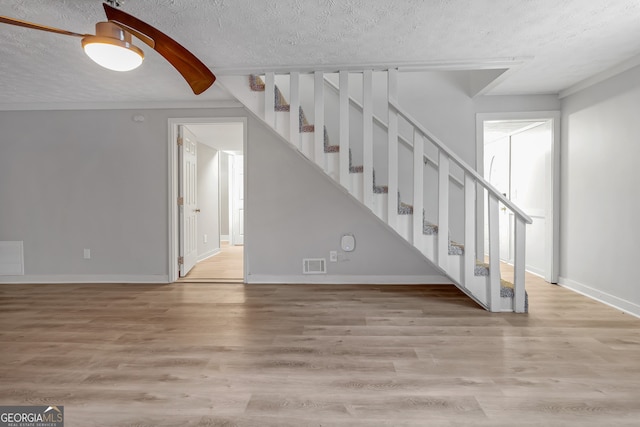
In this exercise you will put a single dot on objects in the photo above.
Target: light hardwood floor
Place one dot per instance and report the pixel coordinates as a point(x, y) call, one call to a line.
point(197, 354)
point(227, 265)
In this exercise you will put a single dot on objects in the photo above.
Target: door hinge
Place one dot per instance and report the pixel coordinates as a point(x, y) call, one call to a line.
point(180, 141)
point(180, 260)
point(180, 201)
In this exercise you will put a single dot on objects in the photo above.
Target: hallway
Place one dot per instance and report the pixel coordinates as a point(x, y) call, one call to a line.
point(226, 266)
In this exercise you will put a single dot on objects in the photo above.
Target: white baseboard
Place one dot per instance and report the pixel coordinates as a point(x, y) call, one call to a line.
point(348, 280)
point(535, 271)
point(208, 254)
point(603, 297)
point(85, 278)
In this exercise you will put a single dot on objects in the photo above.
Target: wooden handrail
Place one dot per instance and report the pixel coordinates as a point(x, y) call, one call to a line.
point(468, 169)
point(385, 126)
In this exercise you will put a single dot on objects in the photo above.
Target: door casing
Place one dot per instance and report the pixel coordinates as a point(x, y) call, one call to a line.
point(172, 200)
point(552, 233)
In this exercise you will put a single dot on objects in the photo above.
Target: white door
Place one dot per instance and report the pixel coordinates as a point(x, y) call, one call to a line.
point(237, 197)
point(497, 171)
point(187, 193)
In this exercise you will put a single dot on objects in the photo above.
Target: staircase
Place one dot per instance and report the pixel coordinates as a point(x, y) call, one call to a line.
point(435, 173)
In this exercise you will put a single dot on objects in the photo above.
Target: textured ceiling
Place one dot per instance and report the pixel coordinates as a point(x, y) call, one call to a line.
point(562, 42)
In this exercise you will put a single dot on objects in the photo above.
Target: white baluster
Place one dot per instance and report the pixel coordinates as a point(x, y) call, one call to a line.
point(294, 107)
point(367, 136)
point(519, 266)
point(392, 157)
point(469, 229)
point(344, 129)
point(494, 254)
point(270, 99)
point(418, 188)
point(443, 210)
point(318, 141)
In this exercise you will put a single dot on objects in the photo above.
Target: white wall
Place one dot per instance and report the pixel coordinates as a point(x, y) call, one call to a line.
point(599, 223)
point(208, 202)
point(294, 212)
point(71, 180)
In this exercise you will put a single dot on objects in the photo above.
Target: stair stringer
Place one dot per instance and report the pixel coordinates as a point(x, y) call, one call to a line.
point(254, 103)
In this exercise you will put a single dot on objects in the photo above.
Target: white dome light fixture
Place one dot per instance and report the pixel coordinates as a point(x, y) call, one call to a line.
point(111, 48)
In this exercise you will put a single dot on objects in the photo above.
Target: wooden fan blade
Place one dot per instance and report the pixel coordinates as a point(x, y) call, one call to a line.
point(197, 75)
point(27, 24)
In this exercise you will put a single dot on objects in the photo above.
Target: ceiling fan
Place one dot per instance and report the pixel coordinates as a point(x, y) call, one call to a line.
point(111, 46)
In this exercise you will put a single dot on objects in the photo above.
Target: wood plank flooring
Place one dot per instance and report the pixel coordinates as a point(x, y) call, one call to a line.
point(225, 266)
point(201, 354)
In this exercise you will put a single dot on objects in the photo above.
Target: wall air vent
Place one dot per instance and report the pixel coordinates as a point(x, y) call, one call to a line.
point(314, 266)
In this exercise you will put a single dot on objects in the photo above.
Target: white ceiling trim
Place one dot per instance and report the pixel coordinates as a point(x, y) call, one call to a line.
point(165, 105)
point(600, 77)
point(458, 65)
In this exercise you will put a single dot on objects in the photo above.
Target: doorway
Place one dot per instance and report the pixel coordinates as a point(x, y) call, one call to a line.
point(219, 151)
point(517, 154)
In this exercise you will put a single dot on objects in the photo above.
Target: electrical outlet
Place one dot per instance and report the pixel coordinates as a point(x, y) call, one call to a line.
point(333, 256)
point(87, 254)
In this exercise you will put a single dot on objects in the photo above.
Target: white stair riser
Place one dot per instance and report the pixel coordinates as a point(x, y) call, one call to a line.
point(333, 165)
point(306, 144)
point(429, 245)
point(405, 227)
point(455, 263)
point(282, 124)
point(357, 186)
point(506, 304)
point(380, 202)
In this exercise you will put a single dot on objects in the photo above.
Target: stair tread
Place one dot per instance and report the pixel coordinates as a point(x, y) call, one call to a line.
point(404, 208)
point(481, 269)
point(381, 189)
point(428, 228)
point(328, 148)
point(507, 291)
point(256, 83)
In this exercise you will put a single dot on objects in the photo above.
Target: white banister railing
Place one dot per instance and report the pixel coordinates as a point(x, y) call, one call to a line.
point(392, 152)
point(269, 99)
point(487, 292)
point(519, 266)
point(494, 253)
point(318, 123)
point(344, 129)
point(367, 136)
point(294, 107)
point(418, 188)
point(453, 156)
point(494, 197)
point(469, 226)
point(443, 211)
point(378, 121)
